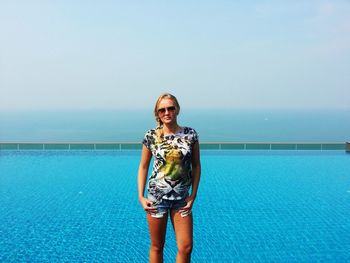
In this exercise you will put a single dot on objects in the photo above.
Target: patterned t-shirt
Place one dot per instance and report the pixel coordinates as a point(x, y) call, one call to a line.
point(171, 175)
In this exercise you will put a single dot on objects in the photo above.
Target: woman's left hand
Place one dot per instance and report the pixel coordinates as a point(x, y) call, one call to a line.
point(188, 207)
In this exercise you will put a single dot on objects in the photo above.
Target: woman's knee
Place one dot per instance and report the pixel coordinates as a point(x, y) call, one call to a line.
point(157, 247)
point(185, 248)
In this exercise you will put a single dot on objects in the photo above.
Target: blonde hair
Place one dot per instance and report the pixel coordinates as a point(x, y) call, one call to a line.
point(165, 96)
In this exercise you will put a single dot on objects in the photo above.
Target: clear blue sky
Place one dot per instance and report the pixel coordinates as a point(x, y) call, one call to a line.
point(210, 54)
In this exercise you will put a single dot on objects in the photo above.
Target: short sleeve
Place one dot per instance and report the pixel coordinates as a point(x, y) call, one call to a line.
point(191, 135)
point(147, 139)
point(195, 136)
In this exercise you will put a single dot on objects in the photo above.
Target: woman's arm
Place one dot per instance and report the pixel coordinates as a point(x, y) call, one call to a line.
point(146, 156)
point(196, 174)
point(196, 169)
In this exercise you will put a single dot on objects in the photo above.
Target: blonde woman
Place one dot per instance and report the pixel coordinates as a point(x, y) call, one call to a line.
point(173, 184)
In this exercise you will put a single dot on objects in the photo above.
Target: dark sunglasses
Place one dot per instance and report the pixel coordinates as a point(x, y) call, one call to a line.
point(162, 110)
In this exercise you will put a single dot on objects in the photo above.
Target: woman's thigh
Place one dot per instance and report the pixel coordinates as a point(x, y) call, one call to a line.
point(183, 227)
point(157, 229)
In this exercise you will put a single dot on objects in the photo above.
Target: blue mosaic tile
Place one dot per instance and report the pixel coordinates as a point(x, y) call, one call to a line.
point(256, 206)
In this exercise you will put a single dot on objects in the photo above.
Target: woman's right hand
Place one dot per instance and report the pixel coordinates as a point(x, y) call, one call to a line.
point(147, 205)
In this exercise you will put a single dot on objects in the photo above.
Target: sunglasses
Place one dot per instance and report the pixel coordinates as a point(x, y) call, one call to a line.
point(169, 109)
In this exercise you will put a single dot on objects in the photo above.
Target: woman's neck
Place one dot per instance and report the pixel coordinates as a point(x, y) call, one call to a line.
point(171, 128)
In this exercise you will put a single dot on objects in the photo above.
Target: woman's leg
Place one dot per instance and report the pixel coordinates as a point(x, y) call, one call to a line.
point(157, 229)
point(183, 227)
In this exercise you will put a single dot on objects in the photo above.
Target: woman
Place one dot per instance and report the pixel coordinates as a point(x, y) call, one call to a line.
point(176, 169)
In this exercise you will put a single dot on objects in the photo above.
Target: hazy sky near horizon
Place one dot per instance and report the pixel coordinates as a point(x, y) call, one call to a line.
point(210, 54)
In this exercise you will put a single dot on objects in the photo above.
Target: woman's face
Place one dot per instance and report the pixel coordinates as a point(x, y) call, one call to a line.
point(167, 111)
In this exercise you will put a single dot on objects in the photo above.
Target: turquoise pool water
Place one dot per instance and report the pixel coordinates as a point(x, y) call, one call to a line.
point(255, 206)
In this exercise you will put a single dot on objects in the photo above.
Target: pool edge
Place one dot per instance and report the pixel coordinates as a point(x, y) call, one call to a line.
point(22, 146)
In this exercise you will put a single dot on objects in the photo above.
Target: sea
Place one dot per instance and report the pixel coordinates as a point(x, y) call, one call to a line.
point(212, 125)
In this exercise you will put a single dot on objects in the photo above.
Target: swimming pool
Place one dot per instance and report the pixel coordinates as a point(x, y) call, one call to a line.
point(252, 206)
